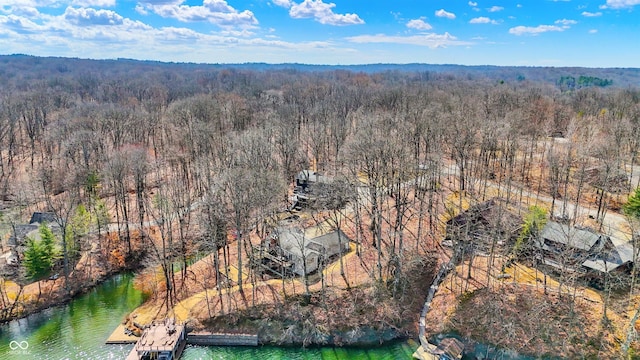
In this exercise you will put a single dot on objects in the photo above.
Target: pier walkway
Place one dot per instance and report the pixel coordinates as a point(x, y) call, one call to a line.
point(162, 340)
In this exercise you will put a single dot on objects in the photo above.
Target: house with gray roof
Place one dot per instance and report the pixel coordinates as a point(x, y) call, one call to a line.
point(303, 192)
point(581, 249)
point(307, 250)
point(43, 217)
point(21, 231)
point(10, 259)
point(293, 250)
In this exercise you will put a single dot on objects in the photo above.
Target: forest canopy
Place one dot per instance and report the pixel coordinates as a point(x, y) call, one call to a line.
point(155, 164)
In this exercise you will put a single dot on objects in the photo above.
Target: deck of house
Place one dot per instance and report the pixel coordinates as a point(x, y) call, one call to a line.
point(161, 340)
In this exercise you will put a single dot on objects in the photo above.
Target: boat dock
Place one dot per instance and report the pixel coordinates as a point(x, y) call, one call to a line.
point(122, 336)
point(218, 339)
point(167, 340)
point(161, 340)
point(449, 349)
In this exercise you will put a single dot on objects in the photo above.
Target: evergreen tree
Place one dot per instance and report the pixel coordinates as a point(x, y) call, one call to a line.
point(35, 262)
point(77, 227)
point(632, 207)
point(40, 255)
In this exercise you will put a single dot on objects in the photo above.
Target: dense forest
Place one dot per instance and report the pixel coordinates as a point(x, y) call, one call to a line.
point(158, 167)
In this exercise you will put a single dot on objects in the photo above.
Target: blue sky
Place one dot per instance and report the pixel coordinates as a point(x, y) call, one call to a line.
point(595, 33)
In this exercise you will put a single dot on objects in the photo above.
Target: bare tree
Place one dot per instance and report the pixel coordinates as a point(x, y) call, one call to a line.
point(334, 198)
point(117, 172)
point(249, 186)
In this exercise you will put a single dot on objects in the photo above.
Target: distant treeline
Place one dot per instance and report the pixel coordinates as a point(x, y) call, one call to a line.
point(570, 82)
point(13, 65)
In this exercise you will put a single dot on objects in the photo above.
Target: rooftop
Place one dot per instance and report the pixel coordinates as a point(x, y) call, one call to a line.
point(43, 217)
point(311, 176)
point(599, 252)
point(315, 239)
point(575, 238)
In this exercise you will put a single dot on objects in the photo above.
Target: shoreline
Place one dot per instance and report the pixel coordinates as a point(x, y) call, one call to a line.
point(369, 337)
point(64, 299)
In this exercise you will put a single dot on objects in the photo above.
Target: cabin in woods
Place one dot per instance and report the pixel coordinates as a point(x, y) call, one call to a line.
point(303, 192)
point(306, 178)
point(291, 250)
point(44, 217)
point(23, 230)
point(10, 259)
point(615, 181)
point(483, 226)
point(581, 249)
point(308, 252)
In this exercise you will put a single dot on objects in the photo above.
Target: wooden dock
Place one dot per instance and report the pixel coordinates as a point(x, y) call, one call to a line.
point(119, 336)
point(220, 339)
point(166, 340)
point(161, 340)
point(449, 348)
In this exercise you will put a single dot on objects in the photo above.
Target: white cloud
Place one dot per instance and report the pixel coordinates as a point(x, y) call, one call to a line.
point(530, 30)
point(482, 20)
point(565, 23)
point(429, 40)
point(28, 3)
point(214, 11)
point(237, 33)
point(178, 34)
point(90, 17)
point(495, 8)
point(445, 14)
point(12, 24)
point(593, 31)
point(418, 24)
point(161, 2)
point(27, 11)
point(68, 35)
point(473, 4)
point(283, 3)
point(590, 14)
point(75, 28)
point(619, 4)
point(322, 13)
point(94, 3)
point(141, 10)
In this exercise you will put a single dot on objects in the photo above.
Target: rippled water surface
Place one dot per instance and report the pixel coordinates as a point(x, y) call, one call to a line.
point(78, 331)
point(389, 352)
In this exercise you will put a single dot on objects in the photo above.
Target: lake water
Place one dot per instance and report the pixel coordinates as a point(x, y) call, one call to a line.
point(79, 329)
